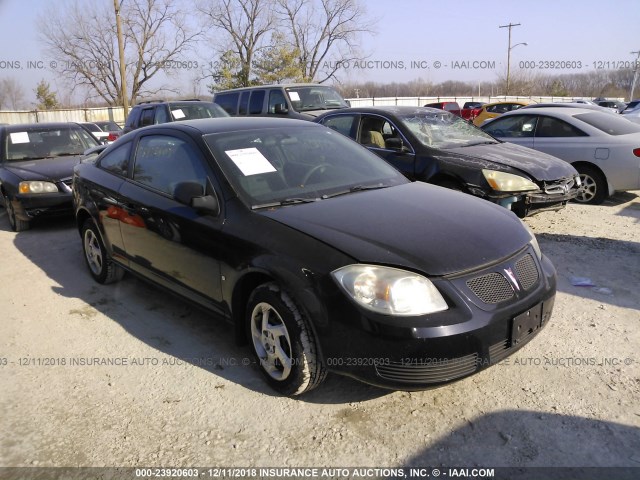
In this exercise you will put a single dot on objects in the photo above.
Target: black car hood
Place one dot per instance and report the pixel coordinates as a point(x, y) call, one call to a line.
point(56, 168)
point(538, 165)
point(417, 226)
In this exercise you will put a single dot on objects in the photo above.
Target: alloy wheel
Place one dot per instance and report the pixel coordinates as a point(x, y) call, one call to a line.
point(271, 341)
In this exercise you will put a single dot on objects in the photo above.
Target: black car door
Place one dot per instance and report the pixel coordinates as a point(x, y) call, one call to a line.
point(170, 242)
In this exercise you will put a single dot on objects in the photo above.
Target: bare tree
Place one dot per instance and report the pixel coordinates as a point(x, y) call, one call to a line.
point(11, 94)
point(325, 33)
point(244, 25)
point(84, 43)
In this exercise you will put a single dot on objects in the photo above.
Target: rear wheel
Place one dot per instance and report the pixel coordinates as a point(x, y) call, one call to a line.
point(283, 341)
point(101, 267)
point(17, 225)
point(594, 185)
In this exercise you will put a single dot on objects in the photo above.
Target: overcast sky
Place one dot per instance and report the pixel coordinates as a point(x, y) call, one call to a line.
point(412, 36)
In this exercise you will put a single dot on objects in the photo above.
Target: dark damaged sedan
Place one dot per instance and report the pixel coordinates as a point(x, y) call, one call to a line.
point(36, 165)
point(322, 256)
point(434, 146)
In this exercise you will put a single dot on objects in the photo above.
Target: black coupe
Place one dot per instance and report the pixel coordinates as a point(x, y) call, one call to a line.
point(323, 256)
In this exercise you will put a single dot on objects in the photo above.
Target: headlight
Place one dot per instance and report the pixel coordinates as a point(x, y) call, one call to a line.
point(37, 187)
point(508, 182)
point(534, 241)
point(390, 291)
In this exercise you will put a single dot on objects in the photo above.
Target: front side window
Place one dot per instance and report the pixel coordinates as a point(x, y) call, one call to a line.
point(163, 161)
point(276, 97)
point(516, 126)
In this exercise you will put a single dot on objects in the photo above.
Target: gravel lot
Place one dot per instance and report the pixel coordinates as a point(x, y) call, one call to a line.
point(183, 396)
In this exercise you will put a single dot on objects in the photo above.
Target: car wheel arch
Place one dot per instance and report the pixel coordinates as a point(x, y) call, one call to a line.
point(251, 280)
point(581, 165)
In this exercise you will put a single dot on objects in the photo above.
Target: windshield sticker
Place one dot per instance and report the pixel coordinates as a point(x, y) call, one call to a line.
point(19, 137)
point(178, 114)
point(294, 96)
point(250, 161)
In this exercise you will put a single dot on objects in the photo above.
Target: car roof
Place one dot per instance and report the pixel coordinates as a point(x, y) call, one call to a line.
point(510, 102)
point(21, 127)
point(558, 111)
point(389, 109)
point(206, 126)
point(274, 85)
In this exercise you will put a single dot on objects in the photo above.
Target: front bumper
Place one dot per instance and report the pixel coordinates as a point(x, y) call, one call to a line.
point(413, 353)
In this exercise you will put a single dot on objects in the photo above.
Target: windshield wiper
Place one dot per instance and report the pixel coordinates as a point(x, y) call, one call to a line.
point(483, 142)
point(286, 201)
point(356, 188)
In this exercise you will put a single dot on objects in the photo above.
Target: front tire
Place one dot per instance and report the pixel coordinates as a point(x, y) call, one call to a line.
point(102, 268)
point(283, 341)
point(594, 185)
point(17, 225)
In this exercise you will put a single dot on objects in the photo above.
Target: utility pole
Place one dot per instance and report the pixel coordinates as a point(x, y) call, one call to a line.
point(123, 78)
point(509, 26)
point(635, 74)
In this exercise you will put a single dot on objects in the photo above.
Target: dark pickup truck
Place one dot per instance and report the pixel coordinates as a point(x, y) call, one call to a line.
point(469, 111)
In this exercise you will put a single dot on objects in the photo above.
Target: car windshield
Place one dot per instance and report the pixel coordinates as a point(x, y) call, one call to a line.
point(271, 167)
point(34, 143)
point(315, 97)
point(195, 110)
point(443, 130)
point(612, 125)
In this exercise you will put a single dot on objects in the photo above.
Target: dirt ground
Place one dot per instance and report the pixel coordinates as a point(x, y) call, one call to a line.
point(183, 394)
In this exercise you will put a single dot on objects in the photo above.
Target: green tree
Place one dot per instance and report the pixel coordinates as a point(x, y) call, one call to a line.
point(278, 63)
point(46, 98)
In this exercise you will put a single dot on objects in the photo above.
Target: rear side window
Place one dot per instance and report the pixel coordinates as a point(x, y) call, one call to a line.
point(552, 127)
point(256, 102)
point(228, 101)
point(132, 120)
point(117, 160)
point(243, 108)
point(342, 124)
point(147, 117)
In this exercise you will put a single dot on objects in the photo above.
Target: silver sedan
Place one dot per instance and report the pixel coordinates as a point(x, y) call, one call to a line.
point(603, 148)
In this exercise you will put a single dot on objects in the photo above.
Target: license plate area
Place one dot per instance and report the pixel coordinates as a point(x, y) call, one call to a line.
point(526, 324)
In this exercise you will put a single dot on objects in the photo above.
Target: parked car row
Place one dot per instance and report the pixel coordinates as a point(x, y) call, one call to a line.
point(312, 239)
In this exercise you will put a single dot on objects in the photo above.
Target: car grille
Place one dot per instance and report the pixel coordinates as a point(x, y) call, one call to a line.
point(560, 187)
point(494, 287)
point(527, 272)
point(435, 371)
point(491, 288)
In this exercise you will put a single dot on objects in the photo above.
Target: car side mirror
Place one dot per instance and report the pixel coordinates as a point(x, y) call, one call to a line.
point(281, 108)
point(395, 144)
point(193, 195)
